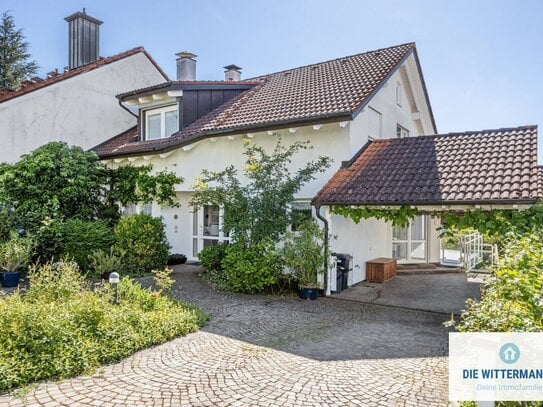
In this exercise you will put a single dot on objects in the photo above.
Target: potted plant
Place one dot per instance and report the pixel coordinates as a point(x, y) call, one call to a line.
point(304, 256)
point(14, 256)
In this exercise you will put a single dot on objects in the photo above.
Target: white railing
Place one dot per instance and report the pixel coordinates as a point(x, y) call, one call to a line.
point(473, 252)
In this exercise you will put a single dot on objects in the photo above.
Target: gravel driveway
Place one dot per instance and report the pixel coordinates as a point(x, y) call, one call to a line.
point(273, 351)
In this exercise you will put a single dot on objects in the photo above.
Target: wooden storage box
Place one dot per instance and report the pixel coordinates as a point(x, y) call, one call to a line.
point(380, 270)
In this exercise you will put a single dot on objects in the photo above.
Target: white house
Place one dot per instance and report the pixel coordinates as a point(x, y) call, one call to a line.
point(77, 106)
point(344, 107)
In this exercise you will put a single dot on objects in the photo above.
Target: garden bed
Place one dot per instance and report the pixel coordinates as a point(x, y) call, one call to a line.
point(60, 327)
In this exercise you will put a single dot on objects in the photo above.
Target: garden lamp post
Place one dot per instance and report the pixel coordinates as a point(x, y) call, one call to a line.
point(114, 281)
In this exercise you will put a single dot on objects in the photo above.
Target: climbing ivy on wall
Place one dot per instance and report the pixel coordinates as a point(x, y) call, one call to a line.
point(495, 224)
point(398, 216)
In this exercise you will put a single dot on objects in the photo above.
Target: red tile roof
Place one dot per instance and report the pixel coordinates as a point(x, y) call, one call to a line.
point(54, 77)
point(329, 91)
point(489, 166)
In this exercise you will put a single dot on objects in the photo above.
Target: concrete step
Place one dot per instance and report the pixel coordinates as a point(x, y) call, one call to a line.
point(435, 270)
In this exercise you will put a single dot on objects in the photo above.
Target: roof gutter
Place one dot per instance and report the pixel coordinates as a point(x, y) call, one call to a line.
point(127, 109)
point(174, 144)
point(437, 203)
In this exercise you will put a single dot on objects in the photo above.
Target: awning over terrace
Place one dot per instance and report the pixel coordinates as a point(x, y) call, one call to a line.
point(489, 167)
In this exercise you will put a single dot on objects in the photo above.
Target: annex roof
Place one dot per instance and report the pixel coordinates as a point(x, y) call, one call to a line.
point(334, 90)
point(55, 77)
point(476, 167)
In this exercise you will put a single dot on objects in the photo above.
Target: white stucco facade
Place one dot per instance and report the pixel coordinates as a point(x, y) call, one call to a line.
point(340, 141)
point(81, 110)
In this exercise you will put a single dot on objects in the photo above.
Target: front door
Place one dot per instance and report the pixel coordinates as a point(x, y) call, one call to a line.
point(409, 244)
point(207, 228)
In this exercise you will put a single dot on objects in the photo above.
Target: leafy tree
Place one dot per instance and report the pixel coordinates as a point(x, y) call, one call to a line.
point(256, 210)
point(15, 63)
point(59, 182)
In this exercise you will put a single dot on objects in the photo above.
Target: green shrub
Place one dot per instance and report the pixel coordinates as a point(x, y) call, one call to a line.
point(5, 225)
point(60, 328)
point(74, 239)
point(251, 269)
point(511, 300)
point(163, 280)
point(303, 252)
point(211, 257)
point(103, 263)
point(140, 241)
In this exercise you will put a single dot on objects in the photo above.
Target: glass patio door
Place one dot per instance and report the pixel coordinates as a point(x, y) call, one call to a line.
point(409, 244)
point(207, 228)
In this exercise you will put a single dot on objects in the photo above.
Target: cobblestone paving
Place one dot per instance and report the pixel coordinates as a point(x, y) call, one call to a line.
point(273, 351)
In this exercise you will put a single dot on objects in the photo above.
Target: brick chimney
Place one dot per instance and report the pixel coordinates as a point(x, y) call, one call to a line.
point(83, 39)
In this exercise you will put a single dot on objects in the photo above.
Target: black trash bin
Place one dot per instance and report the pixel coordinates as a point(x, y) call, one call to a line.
point(339, 282)
point(344, 265)
point(343, 268)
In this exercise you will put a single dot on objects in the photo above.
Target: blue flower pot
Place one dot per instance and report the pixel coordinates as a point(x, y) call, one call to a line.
point(308, 293)
point(10, 279)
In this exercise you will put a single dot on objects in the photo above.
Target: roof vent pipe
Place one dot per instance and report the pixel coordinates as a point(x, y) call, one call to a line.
point(186, 66)
point(232, 73)
point(83, 39)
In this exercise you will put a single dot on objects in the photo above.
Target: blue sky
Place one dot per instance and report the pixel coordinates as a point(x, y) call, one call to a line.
point(482, 60)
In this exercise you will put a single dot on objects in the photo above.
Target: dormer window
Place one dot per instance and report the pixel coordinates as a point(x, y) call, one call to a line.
point(161, 122)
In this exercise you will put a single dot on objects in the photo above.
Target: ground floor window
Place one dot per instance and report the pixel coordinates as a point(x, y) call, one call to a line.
point(409, 243)
point(299, 212)
point(208, 228)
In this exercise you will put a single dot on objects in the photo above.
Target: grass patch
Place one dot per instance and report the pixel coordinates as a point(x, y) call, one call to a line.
point(60, 327)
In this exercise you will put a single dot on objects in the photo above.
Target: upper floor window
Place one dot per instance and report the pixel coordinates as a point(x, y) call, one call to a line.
point(401, 131)
point(399, 93)
point(162, 122)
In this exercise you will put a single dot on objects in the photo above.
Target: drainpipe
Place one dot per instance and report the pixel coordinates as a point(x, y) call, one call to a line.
point(326, 249)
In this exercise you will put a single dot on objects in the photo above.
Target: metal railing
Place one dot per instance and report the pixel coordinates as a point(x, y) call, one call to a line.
point(476, 252)
point(472, 251)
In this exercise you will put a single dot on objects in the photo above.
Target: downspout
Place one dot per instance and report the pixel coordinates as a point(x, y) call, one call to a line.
point(127, 109)
point(326, 248)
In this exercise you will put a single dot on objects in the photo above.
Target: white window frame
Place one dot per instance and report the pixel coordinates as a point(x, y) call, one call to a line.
point(401, 132)
point(136, 209)
point(162, 111)
point(199, 233)
point(303, 204)
point(410, 241)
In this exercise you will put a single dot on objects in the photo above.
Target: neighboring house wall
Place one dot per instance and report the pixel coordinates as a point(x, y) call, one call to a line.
point(81, 110)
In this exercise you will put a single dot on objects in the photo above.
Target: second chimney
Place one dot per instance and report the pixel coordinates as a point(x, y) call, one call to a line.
point(232, 73)
point(83, 39)
point(186, 66)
